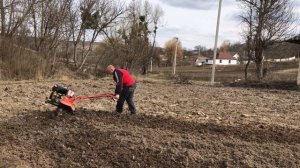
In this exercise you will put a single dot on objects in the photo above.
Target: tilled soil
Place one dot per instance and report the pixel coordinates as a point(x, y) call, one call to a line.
point(177, 126)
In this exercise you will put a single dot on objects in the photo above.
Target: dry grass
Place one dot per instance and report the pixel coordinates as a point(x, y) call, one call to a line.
point(285, 71)
point(19, 63)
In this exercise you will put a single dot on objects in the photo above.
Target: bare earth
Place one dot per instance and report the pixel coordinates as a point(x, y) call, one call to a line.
point(178, 126)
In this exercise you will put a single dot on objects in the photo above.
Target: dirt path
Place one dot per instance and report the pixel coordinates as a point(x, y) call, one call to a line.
point(178, 126)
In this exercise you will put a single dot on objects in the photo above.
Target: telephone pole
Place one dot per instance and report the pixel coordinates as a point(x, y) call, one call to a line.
point(175, 55)
point(216, 43)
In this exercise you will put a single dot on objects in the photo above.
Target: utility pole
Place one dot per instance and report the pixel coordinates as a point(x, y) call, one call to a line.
point(216, 42)
point(175, 55)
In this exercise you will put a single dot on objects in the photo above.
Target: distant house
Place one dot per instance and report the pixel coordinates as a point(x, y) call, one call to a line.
point(200, 61)
point(223, 58)
point(163, 60)
point(163, 57)
point(236, 56)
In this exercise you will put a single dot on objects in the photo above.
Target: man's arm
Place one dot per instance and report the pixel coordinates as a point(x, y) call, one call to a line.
point(119, 81)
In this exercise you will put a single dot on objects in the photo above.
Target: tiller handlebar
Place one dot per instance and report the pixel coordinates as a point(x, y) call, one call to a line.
point(69, 101)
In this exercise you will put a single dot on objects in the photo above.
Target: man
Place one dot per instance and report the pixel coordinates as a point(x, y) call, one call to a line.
point(125, 86)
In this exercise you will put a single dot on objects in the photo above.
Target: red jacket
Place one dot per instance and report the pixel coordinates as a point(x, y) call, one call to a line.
point(122, 79)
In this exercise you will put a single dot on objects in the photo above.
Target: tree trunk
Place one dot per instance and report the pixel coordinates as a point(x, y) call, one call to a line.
point(75, 44)
point(259, 61)
point(85, 54)
point(2, 18)
point(97, 64)
point(67, 53)
point(53, 60)
point(259, 70)
point(249, 54)
point(83, 60)
point(246, 69)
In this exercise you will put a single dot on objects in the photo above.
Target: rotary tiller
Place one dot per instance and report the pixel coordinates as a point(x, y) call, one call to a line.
point(63, 97)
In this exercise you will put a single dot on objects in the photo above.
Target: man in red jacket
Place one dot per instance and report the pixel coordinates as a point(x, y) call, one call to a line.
point(125, 86)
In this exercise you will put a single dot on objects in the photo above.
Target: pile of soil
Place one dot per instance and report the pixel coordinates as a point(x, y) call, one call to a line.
point(177, 126)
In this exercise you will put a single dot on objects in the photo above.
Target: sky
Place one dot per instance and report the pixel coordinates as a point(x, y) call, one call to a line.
point(194, 22)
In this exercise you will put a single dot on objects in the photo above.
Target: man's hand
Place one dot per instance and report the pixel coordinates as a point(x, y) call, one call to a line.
point(117, 97)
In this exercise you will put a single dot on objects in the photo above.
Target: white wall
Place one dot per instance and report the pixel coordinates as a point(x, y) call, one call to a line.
point(283, 59)
point(198, 63)
point(221, 62)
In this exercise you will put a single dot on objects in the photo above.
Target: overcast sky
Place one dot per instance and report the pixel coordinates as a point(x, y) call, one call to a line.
point(194, 21)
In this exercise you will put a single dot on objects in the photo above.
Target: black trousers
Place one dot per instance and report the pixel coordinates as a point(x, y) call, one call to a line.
point(126, 95)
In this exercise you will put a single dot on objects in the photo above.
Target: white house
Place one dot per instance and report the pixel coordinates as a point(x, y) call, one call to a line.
point(221, 62)
point(224, 58)
point(200, 60)
point(236, 56)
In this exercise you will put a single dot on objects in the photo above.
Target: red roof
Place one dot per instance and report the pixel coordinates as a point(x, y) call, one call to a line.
point(225, 55)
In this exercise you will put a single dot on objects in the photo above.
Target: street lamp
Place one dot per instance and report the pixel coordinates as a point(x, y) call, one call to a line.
point(175, 55)
point(216, 41)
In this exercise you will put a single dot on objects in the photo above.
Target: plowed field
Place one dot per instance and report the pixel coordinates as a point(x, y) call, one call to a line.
point(194, 125)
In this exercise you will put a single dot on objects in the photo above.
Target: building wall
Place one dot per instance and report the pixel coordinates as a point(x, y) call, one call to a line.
point(221, 62)
point(283, 59)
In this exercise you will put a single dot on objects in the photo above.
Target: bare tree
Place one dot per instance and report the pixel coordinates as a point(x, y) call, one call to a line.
point(200, 49)
point(51, 28)
point(143, 23)
point(267, 21)
point(48, 18)
point(17, 12)
point(225, 46)
point(170, 47)
point(96, 16)
point(137, 30)
point(247, 20)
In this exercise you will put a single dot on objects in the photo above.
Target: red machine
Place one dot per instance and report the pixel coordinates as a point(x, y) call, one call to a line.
point(62, 97)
